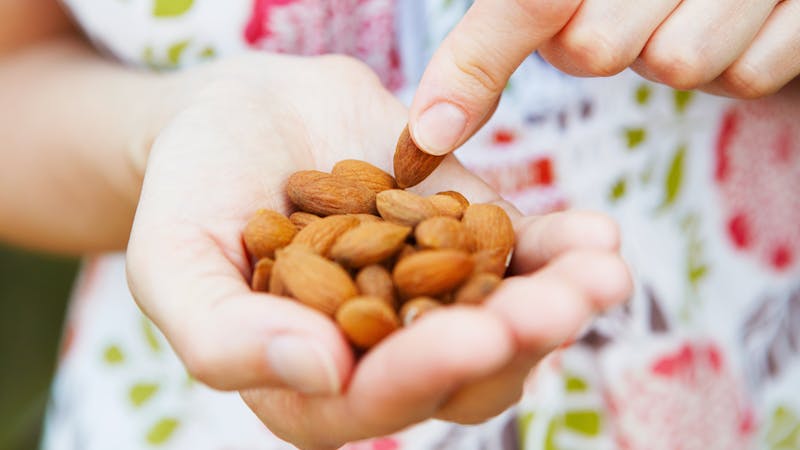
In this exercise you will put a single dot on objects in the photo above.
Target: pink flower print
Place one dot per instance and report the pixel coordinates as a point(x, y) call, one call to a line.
point(684, 399)
point(758, 174)
point(374, 444)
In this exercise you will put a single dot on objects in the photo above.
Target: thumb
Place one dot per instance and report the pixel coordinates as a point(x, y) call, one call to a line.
point(469, 71)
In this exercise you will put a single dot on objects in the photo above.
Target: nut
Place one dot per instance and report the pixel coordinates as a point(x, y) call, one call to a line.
point(266, 232)
point(489, 226)
point(403, 207)
point(364, 173)
point(314, 280)
point(412, 165)
point(261, 275)
point(369, 243)
point(447, 206)
point(457, 196)
point(431, 272)
point(320, 235)
point(366, 218)
point(323, 194)
point(442, 232)
point(477, 288)
point(416, 308)
point(366, 320)
point(376, 281)
point(301, 219)
point(491, 261)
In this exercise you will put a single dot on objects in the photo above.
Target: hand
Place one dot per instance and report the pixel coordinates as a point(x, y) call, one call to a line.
point(249, 124)
point(736, 48)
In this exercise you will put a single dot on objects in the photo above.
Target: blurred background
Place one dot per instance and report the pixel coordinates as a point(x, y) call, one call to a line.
point(33, 296)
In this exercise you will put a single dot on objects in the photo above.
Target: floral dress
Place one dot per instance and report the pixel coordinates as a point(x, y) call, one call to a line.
point(705, 356)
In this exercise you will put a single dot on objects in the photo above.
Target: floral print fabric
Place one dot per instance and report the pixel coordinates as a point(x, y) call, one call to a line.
point(706, 355)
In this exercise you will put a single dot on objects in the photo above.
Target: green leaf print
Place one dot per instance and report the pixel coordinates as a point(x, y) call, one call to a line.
point(171, 8)
point(162, 431)
point(208, 53)
point(784, 431)
point(674, 180)
point(635, 136)
point(113, 355)
point(175, 51)
point(525, 419)
point(643, 94)
point(682, 100)
point(140, 393)
point(150, 335)
point(618, 190)
point(575, 384)
point(583, 422)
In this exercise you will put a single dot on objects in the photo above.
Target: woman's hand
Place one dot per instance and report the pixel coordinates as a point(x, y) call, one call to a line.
point(249, 124)
point(737, 48)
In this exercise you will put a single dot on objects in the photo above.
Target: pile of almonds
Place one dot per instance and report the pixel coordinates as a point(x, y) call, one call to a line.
point(373, 256)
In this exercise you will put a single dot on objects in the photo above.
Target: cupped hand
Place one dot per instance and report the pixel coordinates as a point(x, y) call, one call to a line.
point(246, 126)
point(736, 48)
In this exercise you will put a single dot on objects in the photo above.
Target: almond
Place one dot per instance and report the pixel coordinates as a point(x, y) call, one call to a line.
point(491, 261)
point(403, 207)
point(376, 281)
point(489, 226)
point(364, 173)
point(261, 273)
point(266, 232)
point(300, 219)
point(366, 320)
point(456, 196)
point(369, 243)
point(276, 286)
point(416, 308)
point(412, 165)
point(366, 218)
point(447, 206)
point(313, 280)
point(323, 194)
point(320, 235)
point(442, 232)
point(431, 272)
point(477, 288)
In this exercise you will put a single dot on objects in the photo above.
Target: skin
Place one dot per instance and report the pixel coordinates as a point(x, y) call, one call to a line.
point(170, 167)
point(737, 48)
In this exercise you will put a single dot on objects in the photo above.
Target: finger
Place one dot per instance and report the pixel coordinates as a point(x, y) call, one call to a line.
point(588, 282)
point(470, 69)
point(605, 36)
point(400, 382)
point(700, 39)
point(771, 61)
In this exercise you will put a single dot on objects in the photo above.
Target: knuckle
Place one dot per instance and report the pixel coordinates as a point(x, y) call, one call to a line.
point(473, 61)
point(679, 68)
point(745, 81)
point(596, 52)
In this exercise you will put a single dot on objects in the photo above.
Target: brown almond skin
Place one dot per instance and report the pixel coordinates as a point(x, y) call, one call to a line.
point(447, 206)
point(301, 219)
point(412, 165)
point(369, 243)
point(276, 286)
point(366, 321)
point(364, 173)
point(477, 288)
point(324, 195)
point(266, 232)
point(416, 308)
point(314, 280)
point(491, 261)
point(489, 226)
point(376, 281)
point(431, 272)
point(367, 218)
point(458, 196)
point(320, 235)
point(442, 232)
point(261, 275)
point(403, 207)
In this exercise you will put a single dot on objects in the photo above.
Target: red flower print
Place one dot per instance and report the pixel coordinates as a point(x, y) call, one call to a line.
point(363, 29)
point(758, 174)
point(684, 399)
point(374, 444)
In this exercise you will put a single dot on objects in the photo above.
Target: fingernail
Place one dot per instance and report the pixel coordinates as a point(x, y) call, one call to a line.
point(440, 128)
point(303, 365)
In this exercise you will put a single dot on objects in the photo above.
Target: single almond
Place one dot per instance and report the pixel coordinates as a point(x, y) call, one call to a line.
point(447, 206)
point(366, 321)
point(266, 232)
point(300, 219)
point(366, 218)
point(314, 280)
point(477, 288)
point(491, 261)
point(364, 173)
point(431, 272)
point(261, 275)
point(416, 308)
point(320, 235)
point(489, 226)
point(323, 194)
point(403, 207)
point(442, 232)
point(412, 165)
point(369, 243)
point(276, 286)
point(457, 196)
point(376, 281)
